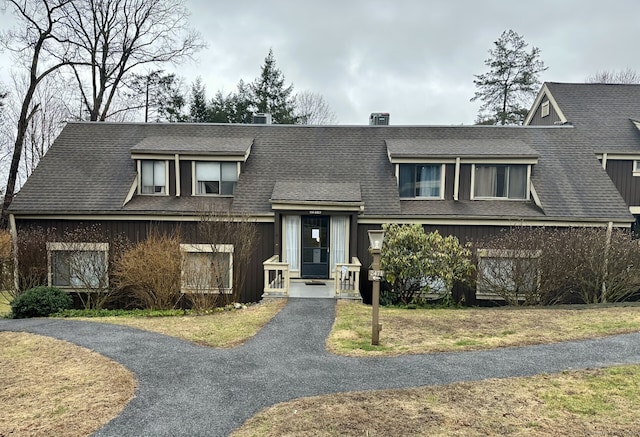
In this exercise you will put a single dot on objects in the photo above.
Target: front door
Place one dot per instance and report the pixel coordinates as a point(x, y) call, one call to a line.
point(315, 247)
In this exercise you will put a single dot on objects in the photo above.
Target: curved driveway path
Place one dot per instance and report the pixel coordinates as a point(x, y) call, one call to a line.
point(190, 390)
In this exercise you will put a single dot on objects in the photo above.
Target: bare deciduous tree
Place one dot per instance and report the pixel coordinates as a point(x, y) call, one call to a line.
point(311, 108)
point(31, 41)
point(113, 38)
point(627, 76)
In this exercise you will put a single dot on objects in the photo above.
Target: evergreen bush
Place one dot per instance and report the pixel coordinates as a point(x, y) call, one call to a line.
point(40, 302)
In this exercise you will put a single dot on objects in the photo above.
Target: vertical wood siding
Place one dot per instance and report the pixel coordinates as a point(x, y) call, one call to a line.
point(549, 120)
point(621, 173)
point(136, 231)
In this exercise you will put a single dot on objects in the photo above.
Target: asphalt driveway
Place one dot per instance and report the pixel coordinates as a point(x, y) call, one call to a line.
point(190, 390)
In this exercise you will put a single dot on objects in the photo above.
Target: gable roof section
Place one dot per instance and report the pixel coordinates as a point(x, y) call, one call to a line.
point(601, 113)
point(89, 170)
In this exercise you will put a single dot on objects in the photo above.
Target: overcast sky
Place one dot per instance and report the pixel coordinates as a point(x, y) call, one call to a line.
point(412, 58)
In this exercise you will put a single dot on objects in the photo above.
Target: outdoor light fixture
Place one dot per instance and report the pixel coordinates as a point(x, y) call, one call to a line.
point(376, 238)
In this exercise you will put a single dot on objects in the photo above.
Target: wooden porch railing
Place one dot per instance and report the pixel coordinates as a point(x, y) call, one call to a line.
point(276, 277)
point(347, 279)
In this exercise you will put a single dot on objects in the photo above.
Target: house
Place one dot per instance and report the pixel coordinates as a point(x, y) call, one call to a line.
point(607, 116)
point(315, 191)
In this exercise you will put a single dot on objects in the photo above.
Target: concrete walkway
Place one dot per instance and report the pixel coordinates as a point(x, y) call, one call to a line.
point(189, 390)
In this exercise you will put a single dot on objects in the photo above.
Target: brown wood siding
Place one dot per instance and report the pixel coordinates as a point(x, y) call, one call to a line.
point(464, 192)
point(136, 231)
point(621, 173)
point(549, 120)
point(449, 181)
point(185, 178)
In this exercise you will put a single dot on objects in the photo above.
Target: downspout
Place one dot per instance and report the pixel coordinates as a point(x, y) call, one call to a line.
point(13, 230)
point(456, 183)
point(177, 165)
point(607, 245)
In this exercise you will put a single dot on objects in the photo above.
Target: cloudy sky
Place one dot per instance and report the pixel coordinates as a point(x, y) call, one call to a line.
point(413, 58)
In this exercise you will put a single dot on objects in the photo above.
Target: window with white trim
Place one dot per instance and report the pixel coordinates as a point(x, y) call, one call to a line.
point(512, 271)
point(421, 180)
point(207, 268)
point(500, 181)
point(80, 266)
point(153, 178)
point(215, 177)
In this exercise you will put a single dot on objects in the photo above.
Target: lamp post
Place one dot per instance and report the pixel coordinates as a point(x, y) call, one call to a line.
point(376, 238)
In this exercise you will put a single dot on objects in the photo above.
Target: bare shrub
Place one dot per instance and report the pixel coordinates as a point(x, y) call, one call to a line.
point(149, 272)
point(219, 229)
point(31, 249)
point(547, 266)
point(7, 283)
point(205, 275)
point(81, 264)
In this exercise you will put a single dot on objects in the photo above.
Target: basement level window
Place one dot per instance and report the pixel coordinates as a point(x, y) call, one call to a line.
point(508, 272)
point(78, 266)
point(207, 268)
point(544, 109)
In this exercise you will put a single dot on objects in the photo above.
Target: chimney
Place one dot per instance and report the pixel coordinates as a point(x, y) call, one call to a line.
point(379, 119)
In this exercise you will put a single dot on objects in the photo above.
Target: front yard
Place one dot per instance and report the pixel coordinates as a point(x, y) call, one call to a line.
point(444, 330)
point(600, 401)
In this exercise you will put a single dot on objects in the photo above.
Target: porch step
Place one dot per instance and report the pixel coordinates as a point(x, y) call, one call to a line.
point(311, 289)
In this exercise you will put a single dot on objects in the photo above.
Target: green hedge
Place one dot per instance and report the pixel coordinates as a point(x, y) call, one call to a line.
point(40, 302)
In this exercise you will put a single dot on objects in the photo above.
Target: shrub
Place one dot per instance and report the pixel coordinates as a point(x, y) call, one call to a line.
point(32, 257)
point(587, 265)
point(415, 262)
point(86, 270)
point(150, 272)
point(6, 263)
point(40, 302)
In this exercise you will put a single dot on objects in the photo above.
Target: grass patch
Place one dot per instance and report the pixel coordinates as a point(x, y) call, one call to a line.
point(219, 329)
point(444, 329)
point(5, 304)
point(591, 402)
point(51, 387)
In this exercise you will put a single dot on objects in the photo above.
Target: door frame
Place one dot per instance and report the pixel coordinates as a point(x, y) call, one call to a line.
point(316, 270)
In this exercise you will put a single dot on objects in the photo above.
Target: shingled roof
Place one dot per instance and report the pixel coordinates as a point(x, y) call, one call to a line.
point(89, 170)
point(603, 113)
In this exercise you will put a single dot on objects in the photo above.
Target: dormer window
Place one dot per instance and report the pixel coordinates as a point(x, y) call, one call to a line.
point(421, 181)
point(500, 181)
point(215, 177)
point(153, 177)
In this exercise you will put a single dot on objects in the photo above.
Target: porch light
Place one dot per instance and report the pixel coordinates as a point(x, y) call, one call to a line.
point(376, 238)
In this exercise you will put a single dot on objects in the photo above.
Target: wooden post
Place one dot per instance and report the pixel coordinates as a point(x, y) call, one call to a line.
point(375, 300)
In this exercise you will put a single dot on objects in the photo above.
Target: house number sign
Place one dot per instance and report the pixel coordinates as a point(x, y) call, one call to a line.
point(315, 212)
